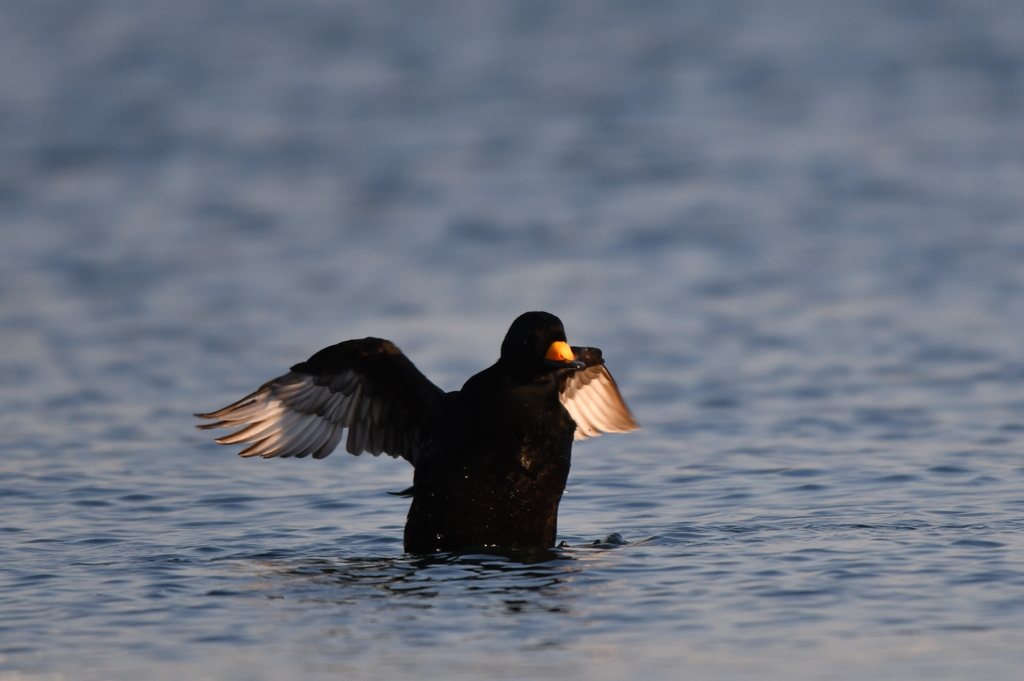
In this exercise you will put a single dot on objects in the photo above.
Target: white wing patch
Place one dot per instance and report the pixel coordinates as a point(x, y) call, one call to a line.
point(593, 400)
point(293, 416)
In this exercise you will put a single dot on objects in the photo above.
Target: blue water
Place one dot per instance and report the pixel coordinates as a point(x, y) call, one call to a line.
point(795, 229)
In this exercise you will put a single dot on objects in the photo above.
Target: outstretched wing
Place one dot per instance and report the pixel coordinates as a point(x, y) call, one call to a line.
point(592, 398)
point(365, 386)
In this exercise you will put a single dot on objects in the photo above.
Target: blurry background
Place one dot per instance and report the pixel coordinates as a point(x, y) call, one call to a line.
point(794, 228)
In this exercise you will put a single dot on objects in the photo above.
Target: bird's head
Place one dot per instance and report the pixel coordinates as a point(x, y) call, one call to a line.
point(536, 345)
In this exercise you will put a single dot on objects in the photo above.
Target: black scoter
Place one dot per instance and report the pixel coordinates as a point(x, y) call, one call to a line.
point(491, 459)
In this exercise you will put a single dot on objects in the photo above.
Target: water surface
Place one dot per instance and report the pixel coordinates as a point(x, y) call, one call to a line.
point(796, 231)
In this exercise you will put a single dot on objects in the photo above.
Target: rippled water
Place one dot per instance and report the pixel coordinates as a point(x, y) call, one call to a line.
point(795, 229)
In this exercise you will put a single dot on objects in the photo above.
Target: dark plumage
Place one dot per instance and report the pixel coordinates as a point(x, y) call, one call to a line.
point(491, 459)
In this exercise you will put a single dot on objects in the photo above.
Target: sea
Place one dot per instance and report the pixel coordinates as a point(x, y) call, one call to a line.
point(795, 229)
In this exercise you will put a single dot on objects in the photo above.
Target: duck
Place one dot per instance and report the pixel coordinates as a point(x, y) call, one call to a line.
point(490, 460)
